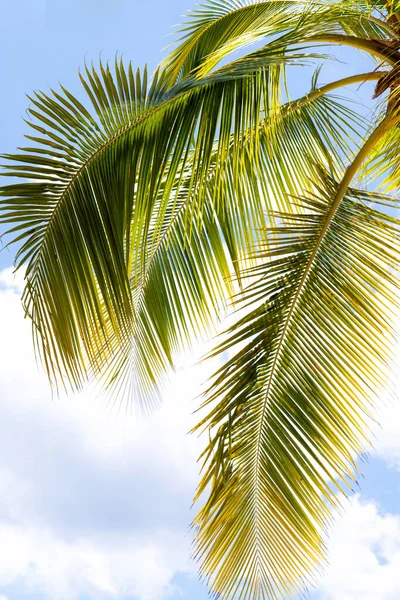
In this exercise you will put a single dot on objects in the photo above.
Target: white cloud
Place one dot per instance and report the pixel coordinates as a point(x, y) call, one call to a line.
point(90, 502)
point(364, 551)
point(387, 443)
point(388, 437)
point(9, 279)
point(100, 567)
point(97, 504)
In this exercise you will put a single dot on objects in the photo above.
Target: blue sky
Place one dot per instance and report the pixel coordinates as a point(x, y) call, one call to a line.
point(94, 505)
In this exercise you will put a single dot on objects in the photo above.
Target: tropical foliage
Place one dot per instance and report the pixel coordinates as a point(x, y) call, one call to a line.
point(145, 211)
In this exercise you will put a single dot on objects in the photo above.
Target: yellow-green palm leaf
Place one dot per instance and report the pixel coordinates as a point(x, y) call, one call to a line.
point(150, 207)
point(291, 408)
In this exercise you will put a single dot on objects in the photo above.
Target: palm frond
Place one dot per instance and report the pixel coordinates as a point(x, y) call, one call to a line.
point(105, 191)
point(382, 168)
point(95, 186)
point(289, 412)
point(216, 29)
point(145, 215)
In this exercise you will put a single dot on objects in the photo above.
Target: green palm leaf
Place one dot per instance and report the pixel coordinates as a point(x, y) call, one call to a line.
point(289, 412)
point(216, 29)
point(89, 211)
point(109, 210)
point(145, 216)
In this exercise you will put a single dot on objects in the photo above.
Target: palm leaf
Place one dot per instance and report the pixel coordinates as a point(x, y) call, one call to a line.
point(87, 214)
point(95, 183)
point(289, 412)
point(216, 29)
point(109, 209)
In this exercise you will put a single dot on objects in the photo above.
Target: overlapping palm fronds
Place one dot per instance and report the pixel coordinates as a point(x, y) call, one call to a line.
point(106, 207)
point(102, 189)
point(218, 28)
point(143, 216)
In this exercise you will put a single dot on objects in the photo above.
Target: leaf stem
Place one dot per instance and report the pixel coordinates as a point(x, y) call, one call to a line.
point(374, 47)
point(359, 78)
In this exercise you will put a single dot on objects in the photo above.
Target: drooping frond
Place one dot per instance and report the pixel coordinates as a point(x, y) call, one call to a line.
point(95, 184)
point(216, 29)
point(289, 412)
point(142, 190)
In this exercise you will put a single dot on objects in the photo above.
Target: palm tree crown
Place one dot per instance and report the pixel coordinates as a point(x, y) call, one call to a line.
point(142, 218)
